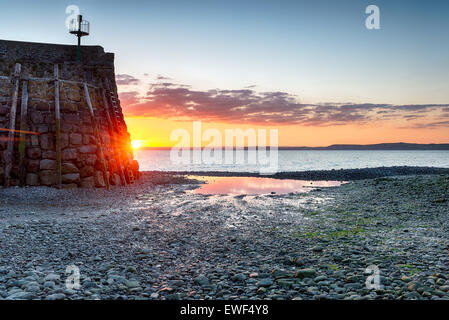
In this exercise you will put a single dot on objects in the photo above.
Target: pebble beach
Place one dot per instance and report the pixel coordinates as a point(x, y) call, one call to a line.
point(157, 239)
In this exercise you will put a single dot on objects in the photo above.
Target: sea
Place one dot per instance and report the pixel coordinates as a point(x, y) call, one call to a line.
point(300, 160)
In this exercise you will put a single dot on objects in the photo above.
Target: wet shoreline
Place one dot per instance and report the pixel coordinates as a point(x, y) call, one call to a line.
point(338, 174)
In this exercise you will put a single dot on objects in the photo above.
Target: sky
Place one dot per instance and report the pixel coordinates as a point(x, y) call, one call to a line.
point(310, 69)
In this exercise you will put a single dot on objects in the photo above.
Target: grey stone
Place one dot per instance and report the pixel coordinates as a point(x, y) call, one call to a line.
point(266, 282)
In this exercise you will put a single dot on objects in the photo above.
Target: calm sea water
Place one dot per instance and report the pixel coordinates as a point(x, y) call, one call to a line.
point(299, 160)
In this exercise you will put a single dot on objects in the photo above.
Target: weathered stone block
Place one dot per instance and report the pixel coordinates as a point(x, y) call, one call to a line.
point(66, 127)
point(70, 118)
point(88, 139)
point(34, 139)
point(88, 182)
point(64, 140)
point(42, 128)
point(87, 171)
point(4, 110)
point(68, 107)
point(89, 159)
point(37, 118)
point(48, 164)
point(76, 138)
point(88, 149)
point(34, 153)
point(106, 139)
point(49, 154)
point(71, 178)
point(47, 141)
point(116, 179)
point(32, 165)
point(74, 93)
point(87, 129)
point(69, 154)
point(68, 167)
point(48, 177)
point(99, 179)
point(42, 106)
point(32, 179)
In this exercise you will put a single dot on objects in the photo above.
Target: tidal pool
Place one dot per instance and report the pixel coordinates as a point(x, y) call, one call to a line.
point(255, 185)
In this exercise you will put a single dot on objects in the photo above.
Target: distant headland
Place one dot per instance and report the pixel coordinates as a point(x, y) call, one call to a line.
point(379, 146)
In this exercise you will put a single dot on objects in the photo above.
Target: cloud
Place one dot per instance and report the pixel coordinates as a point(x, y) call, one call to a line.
point(159, 77)
point(181, 102)
point(126, 80)
point(129, 98)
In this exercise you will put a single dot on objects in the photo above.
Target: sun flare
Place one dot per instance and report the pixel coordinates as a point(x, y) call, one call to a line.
point(136, 144)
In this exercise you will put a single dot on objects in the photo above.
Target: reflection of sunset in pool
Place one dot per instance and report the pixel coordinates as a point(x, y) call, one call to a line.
point(253, 185)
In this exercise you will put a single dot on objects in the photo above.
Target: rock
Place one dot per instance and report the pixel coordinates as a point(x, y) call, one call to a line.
point(52, 277)
point(36, 117)
point(47, 141)
point(34, 153)
point(48, 177)
point(444, 288)
point(317, 249)
point(253, 274)
point(76, 138)
point(20, 295)
point(131, 269)
point(49, 284)
point(131, 284)
point(239, 277)
point(47, 164)
point(88, 149)
point(286, 283)
point(99, 179)
point(266, 282)
point(320, 278)
point(69, 154)
point(116, 180)
point(64, 140)
point(173, 296)
point(278, 273)
point(32, 179)
point(88, 182)
point(71, 178)
point(305, 273)
point(202, 280)
point(87, 171)
point(56, 296)
point(32, 166)
point(68, 167)
point(49, 154)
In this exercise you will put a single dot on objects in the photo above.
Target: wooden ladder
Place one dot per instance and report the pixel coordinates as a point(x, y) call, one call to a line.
point(119, 124)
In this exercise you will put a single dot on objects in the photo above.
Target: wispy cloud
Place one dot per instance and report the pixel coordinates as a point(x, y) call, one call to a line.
point(181, 102)
point(126, 79)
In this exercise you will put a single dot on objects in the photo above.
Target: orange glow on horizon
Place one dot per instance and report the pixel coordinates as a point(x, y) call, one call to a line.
point(155, 132)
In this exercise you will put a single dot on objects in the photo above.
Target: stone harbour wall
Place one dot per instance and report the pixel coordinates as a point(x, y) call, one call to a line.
point(81, 162)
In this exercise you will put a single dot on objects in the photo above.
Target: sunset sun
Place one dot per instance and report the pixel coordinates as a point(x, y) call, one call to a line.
point(136, 144)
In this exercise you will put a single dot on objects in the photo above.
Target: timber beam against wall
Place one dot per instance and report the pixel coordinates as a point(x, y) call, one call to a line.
point(108, 100)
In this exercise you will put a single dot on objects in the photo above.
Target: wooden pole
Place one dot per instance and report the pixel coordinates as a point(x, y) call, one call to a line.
point(23, 130)
point(114, 139)
point(12, 124)
point(97, 136)
point(58, 127)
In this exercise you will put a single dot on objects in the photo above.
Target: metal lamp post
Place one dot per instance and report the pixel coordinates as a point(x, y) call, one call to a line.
point(80, 28)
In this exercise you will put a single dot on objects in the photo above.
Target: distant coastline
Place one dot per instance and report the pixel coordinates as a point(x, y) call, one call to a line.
point(380, 146)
